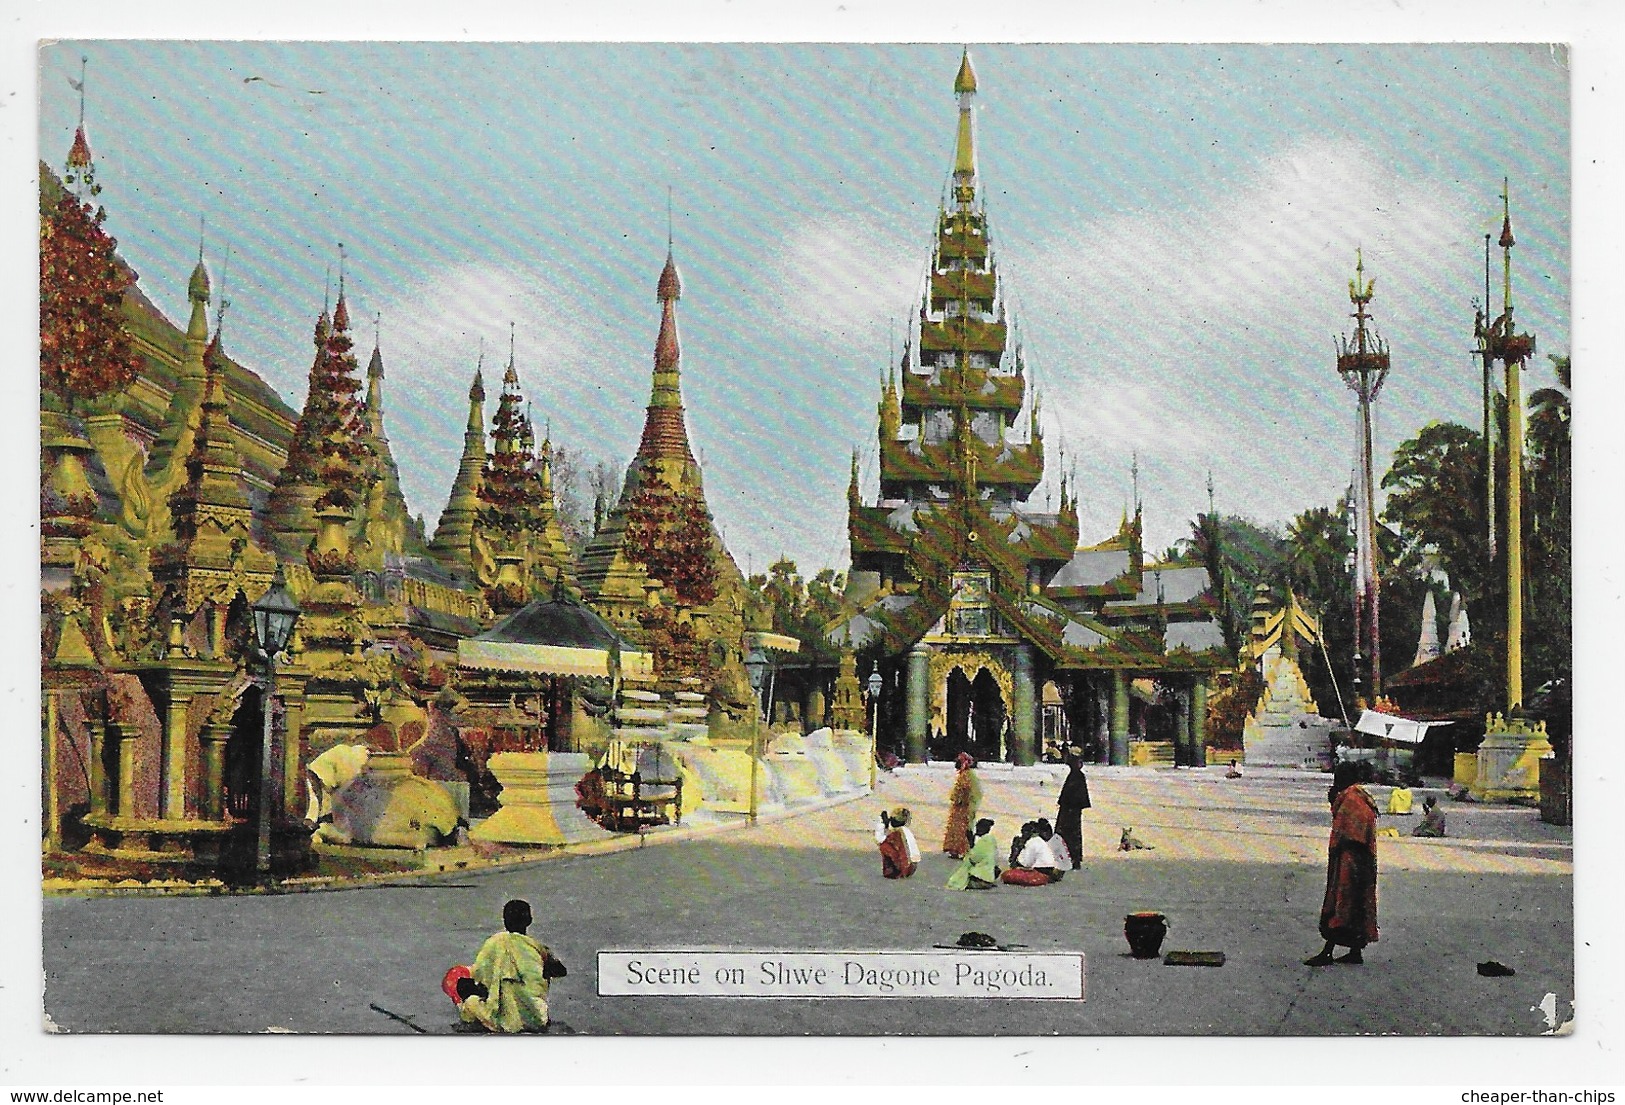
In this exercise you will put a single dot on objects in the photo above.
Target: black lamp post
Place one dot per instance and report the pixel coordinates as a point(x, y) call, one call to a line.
point(275, 615)
point(876, 684)
point(756, 665)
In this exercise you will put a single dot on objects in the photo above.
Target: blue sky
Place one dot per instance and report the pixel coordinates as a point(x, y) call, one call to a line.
point(1176, 225)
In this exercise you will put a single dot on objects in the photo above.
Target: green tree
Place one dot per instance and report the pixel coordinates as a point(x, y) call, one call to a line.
point(1239, 555)
point(1436, 501)
point(1549, 629)
point(794, 607)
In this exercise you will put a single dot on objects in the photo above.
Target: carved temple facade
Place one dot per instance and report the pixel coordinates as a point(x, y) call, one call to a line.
point(977, 608)
point(170, 501)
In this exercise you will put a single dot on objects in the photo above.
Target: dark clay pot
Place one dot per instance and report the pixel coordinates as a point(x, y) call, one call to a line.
point(1145, 931)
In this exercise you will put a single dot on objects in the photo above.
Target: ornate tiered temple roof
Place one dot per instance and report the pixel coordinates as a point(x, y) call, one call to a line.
point(961, 452)
point(956, 455)
point(516, 545)
point(214, 555)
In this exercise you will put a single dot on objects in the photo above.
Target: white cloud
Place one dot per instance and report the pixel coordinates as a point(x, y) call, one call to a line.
point(1202, 336)
point(842, 277)
point(431, 341)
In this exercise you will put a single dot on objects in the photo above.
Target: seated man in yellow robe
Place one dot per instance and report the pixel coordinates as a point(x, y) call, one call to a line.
point(514, 971)
point(1399, 800)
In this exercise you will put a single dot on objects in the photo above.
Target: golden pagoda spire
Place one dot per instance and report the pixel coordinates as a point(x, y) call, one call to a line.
point(965, 148)
point(891, 414)
point(456, 526)
point(375, 381)
point(666, 391)
point(197, 329)
point(966, 80)
point(476, 397)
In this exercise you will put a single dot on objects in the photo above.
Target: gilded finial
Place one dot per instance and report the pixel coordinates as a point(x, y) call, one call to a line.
point(80, 172)
point(1360, 288)
point(1507, 241)
point(965, 80)
point(965, 146)
point(79, 86)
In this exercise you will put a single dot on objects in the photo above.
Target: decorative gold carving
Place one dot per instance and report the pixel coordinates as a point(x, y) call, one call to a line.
point(942, 662)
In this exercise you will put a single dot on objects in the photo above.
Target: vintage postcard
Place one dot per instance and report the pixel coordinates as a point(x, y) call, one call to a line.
point(792, 539)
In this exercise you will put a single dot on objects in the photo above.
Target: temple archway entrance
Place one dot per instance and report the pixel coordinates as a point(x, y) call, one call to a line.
point(240, 780)
point(976, 715)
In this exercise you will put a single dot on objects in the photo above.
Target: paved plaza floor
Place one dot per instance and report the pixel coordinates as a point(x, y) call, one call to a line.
point(1236, 865)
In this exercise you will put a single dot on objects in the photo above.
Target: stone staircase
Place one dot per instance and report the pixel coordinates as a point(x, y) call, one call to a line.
point(1285, 729)
point(671, 732)
point(1150, 753)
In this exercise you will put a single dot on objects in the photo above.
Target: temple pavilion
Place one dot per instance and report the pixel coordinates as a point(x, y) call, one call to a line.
point(975, 607)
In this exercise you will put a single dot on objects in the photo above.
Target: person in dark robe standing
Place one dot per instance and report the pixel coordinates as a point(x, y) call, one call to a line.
point(1348, 914)
point(1074, 800)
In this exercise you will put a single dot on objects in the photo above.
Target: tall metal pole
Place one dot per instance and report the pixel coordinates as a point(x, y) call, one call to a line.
point(1514, 543)
point(262, 851)
point(1510, 756)
point(874, 744)
point(755, 752)
point(1363, 364)
point(1514, 351)
point(1372, 582)
point(1487, 355)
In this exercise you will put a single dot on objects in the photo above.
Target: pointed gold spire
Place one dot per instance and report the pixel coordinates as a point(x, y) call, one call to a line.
point(668, 351)
point(1507, 242)
point(966, 80)
point(965, 148)
point(476, 396)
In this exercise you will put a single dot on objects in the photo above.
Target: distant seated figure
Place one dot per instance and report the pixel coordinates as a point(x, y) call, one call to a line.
point(1432, 819)
point(1035, 865)
point(1234, 772)
point(514, 971)
point(1063, 857)
point(899, 851)
point(1399, 801)
point(1128, 842)
point(979, 869)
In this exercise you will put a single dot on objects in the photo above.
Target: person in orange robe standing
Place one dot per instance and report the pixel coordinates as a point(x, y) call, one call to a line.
point(963, 801)
point(1348, 915)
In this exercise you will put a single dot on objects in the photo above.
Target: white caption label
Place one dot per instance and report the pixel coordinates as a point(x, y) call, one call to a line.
point(797, 974)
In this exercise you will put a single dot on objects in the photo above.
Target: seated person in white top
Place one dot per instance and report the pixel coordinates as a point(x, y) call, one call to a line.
point(1035, 866)
point(1063, 858)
